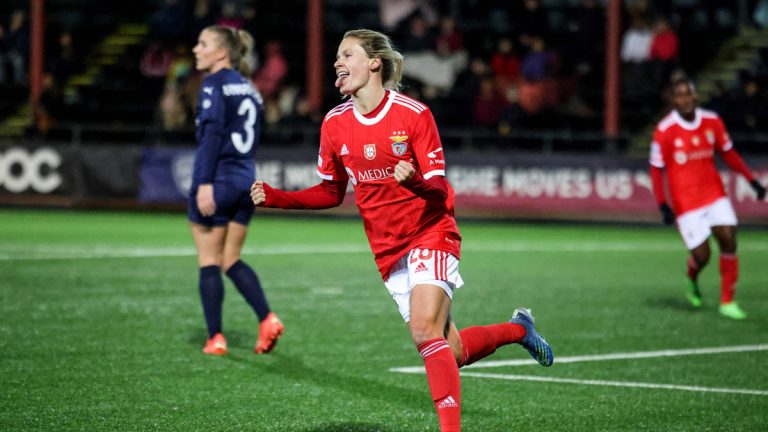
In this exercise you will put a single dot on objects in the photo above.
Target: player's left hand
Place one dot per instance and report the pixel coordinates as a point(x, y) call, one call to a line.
point(205, 202)
point(404, 172)
point(759, 189)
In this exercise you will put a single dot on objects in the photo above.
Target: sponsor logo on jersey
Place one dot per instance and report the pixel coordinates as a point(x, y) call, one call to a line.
point(344, 150)
point(710, 136)
point(681, 158)
point(433, 153)
point(369, 151)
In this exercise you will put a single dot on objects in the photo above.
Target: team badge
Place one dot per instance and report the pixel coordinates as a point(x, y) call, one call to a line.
point(695, 140)
point(679, 142)
point(399, 146)
point(681, 158)
point(710, 136)
point(369, 151)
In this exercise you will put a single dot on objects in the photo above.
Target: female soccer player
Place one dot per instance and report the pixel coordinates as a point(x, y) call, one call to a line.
point(684, 144)
point(228, 117)
point(388, 146)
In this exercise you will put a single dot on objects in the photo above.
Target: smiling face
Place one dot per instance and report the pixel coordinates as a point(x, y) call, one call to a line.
point(354, 69)
point(210, 56)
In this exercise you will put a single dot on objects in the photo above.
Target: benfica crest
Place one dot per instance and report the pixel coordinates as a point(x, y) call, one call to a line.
point(399, 146)
point(369, 151)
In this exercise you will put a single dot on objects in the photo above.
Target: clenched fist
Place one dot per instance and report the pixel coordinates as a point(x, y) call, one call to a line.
point(404, 171)
point(258, 195)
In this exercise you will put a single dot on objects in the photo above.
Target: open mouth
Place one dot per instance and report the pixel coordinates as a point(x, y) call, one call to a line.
point(340, 76)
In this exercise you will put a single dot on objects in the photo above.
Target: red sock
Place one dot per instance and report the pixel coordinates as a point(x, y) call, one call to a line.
point(480, 342)
point(729, 273)
point(693, 269)
point(444, 383)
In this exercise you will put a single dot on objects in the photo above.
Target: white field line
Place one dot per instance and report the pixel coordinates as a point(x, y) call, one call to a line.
point(604, 357)
point(54, 252)
point(615, 383)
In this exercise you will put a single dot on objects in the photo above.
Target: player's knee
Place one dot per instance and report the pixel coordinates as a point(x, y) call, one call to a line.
point(422, 331)
point(228, 261)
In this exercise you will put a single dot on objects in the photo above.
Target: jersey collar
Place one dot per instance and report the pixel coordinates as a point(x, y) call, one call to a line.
point(387, 102)
point(692, 125)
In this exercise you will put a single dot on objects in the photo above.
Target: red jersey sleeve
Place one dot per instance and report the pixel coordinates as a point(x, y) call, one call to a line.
point(723, 141)
point(329, 166)
point(656, 157)
point(427, 147)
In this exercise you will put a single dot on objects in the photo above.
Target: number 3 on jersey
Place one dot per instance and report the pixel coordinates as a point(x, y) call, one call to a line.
point(247, 108)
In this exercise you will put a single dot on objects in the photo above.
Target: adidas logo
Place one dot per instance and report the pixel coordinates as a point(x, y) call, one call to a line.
point(420, 268)
point(344, 150)
point(448, 402)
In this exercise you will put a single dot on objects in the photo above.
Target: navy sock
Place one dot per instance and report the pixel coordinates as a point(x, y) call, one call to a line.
point(246, 281)
point(212, 296)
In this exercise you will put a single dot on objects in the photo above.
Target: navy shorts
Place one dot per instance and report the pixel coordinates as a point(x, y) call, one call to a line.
point(232, 204)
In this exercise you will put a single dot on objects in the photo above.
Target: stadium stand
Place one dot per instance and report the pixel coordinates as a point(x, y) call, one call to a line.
point(525, 75)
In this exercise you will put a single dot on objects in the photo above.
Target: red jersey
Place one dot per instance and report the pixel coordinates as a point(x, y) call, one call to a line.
point(365, 149)
point(686, 150)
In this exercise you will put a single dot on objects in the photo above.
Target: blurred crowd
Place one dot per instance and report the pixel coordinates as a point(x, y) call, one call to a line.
point(503, 66)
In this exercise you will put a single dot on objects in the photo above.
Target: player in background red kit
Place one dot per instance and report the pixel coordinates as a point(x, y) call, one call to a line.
point(388, 146)
point(684, 144)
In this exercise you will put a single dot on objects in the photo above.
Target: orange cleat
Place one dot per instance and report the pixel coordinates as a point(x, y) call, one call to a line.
point(216, 345)
point(269, 332)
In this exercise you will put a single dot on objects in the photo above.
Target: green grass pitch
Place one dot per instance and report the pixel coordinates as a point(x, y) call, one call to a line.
point(101, 329)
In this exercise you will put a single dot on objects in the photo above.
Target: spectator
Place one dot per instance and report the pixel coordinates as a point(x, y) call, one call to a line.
point(202, 17)
point(15, 54)
point(156, 60)
point(48, 108)
point(635, 54)
point(466, 88)
point(536, 64)
point(173, 112)
point(505, 64)
point(663, 52)
point(489, 105)
point(63, 64)
point(418, 37)
point(393, 12)
point(269, 78)
point(230, 16)
point(636, 43)
point(169, 23)
point(532, 21)
point(750, 112)
point(449, 40)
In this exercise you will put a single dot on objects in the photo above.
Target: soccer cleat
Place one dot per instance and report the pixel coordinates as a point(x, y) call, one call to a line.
point(269, 332)
point(694, 295)
point(536, 345)
point(216, 345)
point(733, 311)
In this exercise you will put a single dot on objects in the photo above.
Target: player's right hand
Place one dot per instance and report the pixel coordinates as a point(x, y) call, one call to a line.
point(667, 215)
point(759, 189)
point(258, 195)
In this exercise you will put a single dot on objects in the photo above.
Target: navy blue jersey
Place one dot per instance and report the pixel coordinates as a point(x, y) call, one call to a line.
point(228, 123)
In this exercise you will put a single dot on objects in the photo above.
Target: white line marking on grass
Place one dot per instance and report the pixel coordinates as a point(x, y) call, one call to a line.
point(57, 252)
point(604, 357)
point(615, 383)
